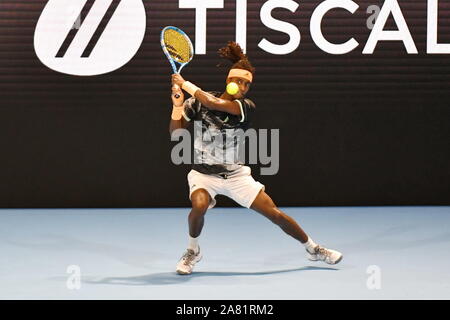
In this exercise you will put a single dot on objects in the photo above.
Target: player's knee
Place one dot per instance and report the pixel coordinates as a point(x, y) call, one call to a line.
point(200, 204)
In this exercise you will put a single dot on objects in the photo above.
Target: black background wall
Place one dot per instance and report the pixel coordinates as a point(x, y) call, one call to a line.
point(354, 129)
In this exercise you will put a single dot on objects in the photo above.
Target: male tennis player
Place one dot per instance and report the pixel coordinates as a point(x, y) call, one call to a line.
point(221, 113)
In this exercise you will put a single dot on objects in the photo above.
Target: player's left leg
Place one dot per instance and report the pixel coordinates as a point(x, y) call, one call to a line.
point(264, 205)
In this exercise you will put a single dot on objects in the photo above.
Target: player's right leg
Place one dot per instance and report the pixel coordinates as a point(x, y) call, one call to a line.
point(265, 206)
point(200, 200)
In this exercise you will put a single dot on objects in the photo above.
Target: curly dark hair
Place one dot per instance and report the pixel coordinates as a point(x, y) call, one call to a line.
point(233, 52)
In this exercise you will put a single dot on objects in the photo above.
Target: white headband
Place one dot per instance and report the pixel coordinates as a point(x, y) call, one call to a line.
point(241, 73)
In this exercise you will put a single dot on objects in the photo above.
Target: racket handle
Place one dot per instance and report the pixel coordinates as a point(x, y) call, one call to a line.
point(177, 96)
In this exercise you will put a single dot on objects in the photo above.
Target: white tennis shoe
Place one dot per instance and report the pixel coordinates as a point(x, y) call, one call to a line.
point(323, 254)
point(188, 261)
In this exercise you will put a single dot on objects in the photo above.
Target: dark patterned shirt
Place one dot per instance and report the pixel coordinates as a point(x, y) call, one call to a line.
point(217, 148)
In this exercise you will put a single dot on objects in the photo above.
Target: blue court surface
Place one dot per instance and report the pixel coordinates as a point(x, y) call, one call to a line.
point(389, 253)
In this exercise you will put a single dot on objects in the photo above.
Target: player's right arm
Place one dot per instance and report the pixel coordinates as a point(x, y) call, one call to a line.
point(177, 119)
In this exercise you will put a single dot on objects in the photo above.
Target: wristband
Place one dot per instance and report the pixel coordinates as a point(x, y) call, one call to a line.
point(177, 112)
point(190, 88)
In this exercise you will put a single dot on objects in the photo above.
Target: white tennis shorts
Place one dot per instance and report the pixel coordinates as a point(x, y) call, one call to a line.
point(240, 186)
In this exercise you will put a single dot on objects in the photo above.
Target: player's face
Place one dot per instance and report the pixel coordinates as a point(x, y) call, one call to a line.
point(243, 84)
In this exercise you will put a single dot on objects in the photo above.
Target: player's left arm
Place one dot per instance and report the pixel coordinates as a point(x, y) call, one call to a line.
point(208, 100)
point(214, 103)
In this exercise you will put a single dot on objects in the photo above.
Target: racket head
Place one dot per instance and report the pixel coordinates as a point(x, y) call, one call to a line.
point(177, 46)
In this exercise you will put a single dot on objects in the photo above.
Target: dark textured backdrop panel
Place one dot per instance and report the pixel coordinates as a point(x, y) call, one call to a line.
point(354, 129)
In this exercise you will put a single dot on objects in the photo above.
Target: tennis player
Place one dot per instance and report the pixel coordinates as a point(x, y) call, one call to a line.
point(221, 113)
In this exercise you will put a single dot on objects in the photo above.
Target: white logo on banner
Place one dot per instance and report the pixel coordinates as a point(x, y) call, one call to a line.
point(118, 42)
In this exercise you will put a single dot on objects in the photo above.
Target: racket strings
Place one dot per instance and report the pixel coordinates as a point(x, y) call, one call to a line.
point(177, 46)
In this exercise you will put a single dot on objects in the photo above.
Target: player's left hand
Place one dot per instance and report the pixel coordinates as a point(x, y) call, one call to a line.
point(177, 79)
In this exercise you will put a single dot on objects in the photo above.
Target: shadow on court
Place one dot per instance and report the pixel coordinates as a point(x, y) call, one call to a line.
point(167, 278)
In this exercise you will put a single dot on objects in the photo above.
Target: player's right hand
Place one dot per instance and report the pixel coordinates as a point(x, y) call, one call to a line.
point(177, 92)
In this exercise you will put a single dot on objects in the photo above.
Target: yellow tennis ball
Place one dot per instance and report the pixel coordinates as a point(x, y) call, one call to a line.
point(232, 88)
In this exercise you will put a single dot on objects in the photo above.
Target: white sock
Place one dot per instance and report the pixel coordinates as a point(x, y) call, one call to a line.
point(310, 245)
point(193, 244)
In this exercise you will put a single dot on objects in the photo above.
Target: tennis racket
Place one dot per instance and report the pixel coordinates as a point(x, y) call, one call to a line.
point(177, 47)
